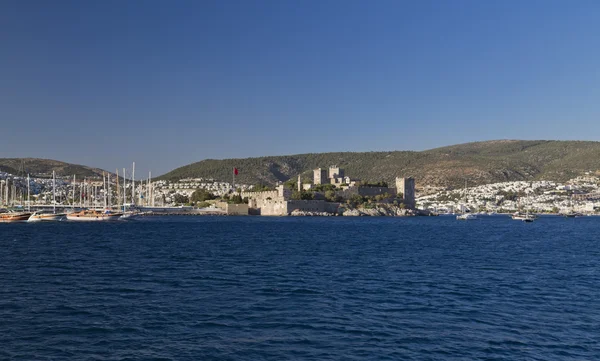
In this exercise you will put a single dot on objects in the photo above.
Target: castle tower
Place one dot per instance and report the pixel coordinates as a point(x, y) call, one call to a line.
point(336, 172)
point(299, 184)
point(320, 176)
point(406, 186)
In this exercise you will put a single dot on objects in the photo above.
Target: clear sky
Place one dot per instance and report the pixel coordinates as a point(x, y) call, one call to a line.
point(167, 83)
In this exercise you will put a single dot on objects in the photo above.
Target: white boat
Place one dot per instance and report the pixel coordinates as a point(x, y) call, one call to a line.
point(525, 217)
point(128, 215)
point(45, 216)
point(466, 216)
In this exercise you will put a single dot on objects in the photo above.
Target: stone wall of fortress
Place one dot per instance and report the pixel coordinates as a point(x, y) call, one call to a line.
point(365, 191)
point(255, 199)
point(284, 208)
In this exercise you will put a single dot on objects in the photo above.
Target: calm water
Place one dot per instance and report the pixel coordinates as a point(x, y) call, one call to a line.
point(226, 288)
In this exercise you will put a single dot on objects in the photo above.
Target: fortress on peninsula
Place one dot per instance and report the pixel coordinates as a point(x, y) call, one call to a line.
point(281, 201)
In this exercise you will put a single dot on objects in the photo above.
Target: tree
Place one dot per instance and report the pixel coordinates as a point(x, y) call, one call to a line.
point(201, 195)
point(355, 200)
point(236, 199)
point(330, 196)
point(180, 199)
point(302, 195)
point(261, 188)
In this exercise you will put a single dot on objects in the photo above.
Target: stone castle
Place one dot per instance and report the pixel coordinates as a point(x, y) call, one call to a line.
point(279, 202)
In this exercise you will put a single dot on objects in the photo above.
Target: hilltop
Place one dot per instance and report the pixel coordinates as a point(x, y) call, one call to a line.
point(43, 168)
point(479, 162)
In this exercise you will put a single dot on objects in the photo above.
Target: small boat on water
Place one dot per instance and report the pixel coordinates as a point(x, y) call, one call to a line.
point(46, 216)
point(13, 217)
point(94, 215)
point(525, 217)
point(129, 215)
point(466, 217)
point(573, 214)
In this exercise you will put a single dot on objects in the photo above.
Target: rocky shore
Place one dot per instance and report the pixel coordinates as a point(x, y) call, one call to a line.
point(378, 211)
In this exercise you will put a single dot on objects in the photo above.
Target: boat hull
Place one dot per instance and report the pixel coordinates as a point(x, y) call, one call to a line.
point(14, 218)
point(466, 217)
point(93, 218)
point(46, 217)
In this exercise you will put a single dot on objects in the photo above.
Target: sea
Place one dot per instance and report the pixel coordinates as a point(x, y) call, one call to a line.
point(301, 288)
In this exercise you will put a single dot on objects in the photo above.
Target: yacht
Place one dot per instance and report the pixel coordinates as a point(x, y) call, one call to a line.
point(573, 214)
point(45, 216)
point(94, 215)
point(525, 217)
point(466, 216)
point(13, 217)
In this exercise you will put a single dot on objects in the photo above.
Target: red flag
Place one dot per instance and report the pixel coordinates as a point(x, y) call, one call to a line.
point(235, 171)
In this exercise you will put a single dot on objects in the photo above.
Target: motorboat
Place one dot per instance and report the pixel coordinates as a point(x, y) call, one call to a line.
point(466, 217)
point(46, 216)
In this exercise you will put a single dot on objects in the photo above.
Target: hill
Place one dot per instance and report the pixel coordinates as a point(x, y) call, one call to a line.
point(479, 162)
point(43, 168)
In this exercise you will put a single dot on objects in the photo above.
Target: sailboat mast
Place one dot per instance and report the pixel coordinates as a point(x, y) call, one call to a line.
point(104, 186)
point(124, 190)
point(73, 203)
point(151, 191)
point(53, 192)
point(133, 184)
point(28, 195)
point(118, 189)
point(109, 190)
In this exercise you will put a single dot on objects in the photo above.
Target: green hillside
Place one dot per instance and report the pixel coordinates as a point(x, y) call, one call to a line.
point(480, 163)
point(44, 167)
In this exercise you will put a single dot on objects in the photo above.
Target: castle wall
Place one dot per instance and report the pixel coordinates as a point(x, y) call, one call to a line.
point(256, 198)
point(365, 191)
point(236, 209)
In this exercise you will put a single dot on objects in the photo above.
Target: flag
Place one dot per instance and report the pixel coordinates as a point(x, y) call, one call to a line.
point(235, 171)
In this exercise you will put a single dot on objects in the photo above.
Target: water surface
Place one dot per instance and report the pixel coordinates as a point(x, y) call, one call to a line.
point(260, 288)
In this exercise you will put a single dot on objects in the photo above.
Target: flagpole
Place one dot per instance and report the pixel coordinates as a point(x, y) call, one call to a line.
point(233, 184)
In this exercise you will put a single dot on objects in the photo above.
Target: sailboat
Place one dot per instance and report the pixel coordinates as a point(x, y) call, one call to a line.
point(466, 216)
point(46, 216)
point(12, 217)
point(96, 215)
point(525, 217)
point(572, 213)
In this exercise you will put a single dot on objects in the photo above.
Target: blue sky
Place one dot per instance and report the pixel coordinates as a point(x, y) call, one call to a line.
point(167, 83)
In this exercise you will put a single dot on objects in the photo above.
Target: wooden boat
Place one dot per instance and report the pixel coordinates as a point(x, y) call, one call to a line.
point(13, 217)
point(93, 215)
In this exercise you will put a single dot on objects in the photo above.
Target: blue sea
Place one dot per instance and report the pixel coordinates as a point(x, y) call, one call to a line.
point(300, 288)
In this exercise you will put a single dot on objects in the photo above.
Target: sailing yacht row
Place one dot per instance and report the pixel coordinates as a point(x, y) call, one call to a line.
point(84, 215)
